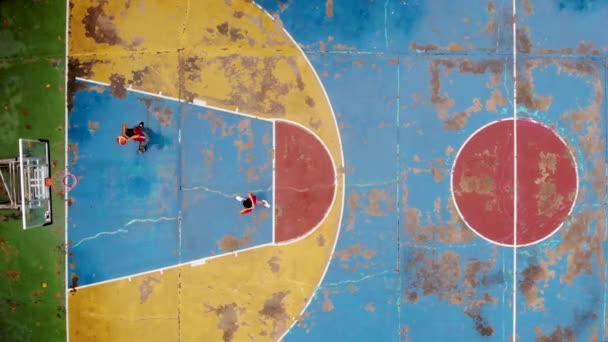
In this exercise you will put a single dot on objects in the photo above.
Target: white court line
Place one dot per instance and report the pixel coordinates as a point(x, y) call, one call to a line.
point(193, 263)
point(203, 260)
point(273, 120)
point(343, 176)
point(196, 102)
point(67, 163)
point(514, 334)
point(335, 192)
point(333, 200)
point(453, 192)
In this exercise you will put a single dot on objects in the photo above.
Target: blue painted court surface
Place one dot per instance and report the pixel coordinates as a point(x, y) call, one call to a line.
point(410, 81)
point(148, 222)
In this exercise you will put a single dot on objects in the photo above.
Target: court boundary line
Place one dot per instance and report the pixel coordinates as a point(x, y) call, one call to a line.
point(67, 163)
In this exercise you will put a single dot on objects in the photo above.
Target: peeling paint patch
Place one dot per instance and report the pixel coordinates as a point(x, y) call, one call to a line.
point(274, 264)
point(163, 115)
point(117, 86)
point(274, 309)
point(228, 316)
point(146, 288)
point(232, 243)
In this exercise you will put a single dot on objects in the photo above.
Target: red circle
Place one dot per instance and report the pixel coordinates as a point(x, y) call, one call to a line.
point(483, 178)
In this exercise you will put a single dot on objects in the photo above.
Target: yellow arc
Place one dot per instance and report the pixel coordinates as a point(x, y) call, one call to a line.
point(232, 55)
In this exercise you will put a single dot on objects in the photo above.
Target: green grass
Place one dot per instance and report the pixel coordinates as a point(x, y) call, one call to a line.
point(32, 28)
point(32, 106)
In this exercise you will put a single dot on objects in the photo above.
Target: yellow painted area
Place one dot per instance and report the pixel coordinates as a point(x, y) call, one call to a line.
point(232, 55)
point(112, 311)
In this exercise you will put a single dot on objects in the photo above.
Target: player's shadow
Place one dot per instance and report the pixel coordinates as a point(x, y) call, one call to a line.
point(157, 140)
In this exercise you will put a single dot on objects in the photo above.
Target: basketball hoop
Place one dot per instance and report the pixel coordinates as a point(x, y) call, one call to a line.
point(62, 181)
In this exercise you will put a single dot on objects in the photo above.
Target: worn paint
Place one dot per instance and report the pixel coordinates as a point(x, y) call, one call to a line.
point(409, 81)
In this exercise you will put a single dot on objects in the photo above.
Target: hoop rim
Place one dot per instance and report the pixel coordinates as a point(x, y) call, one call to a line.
point(63, 181)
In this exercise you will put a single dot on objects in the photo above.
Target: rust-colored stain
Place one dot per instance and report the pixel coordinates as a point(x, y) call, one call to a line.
point(231, 243)
point(310, 102)
point(524, 43)
point(274, 264)
point(441, 275)
point(495, 100)
point(579, 247)
point(346, 254)
point(490, 27)
point(117, 86)
point(479, 184)
point(74, 282)
point(424, 48)
point(459, 120)
point(352, 288)
point(530, 287)
point(139, 76)
point(436, 276)
point(246, 138)
point(549, 200)
point(6, 249)
point(208, 157)
point(12, 275)
point(163, 114)
point(320, 240)
point(243, 73)
point(529, 10)
point(565, 334)
point(525, 91)
point(93, 126)
point(342, 47)
point(146, 288)
point(411, 296)
point(437, 174)
point(328, 305)
point(452, 231)
point(455, 47)
point(329, 8)
point(73, 153)
point(481, 325)
point(376, 198)
point(228, 319)
point(443, 103)
point(491, 7)
point(323, 48)
point(274, 309)
point(100, 26)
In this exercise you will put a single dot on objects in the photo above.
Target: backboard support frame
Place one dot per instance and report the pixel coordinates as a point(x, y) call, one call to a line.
point(24, 180)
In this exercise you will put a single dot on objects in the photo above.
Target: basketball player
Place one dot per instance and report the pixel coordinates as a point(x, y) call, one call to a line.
point(250, 202)
point(136, 134)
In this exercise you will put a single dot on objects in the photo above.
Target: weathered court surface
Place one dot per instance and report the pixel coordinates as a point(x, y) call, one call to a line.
point(436, 170)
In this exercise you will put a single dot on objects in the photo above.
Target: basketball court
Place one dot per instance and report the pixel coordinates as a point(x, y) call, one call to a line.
point(435, 171)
